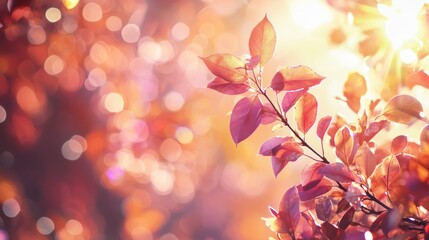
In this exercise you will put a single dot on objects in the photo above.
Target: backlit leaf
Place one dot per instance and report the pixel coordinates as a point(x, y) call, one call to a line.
point(289, 209)
point(305, 112)
point(290, 98)
point(376, 225)
point(344, 144)
point(268, 146)
point(354, 89)
point(223, 86)
point(365, 160)
point(226, 66)
point(245, 118)
point(403, 109)
point(338, 172)
point(373, 129)
point(310, 174)
point(334, 127)
point(424, 141)
point(324, 208)
point(262, 41)
point(385, 175)
point(288, 151)
point(268, 114)
point(321, 188)
point(323, 125)
point(294, 78)
point(398, 144)
point(418, 78)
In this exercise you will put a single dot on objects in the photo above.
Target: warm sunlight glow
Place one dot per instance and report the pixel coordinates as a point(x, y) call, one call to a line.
point(402, 24)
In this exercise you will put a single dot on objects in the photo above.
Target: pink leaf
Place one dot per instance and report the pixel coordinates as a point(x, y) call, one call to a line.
point(289, 209)
point(288, 151)
point(373, 129)
point(354, 195)
point(262, 41)
point(305, 112)
point(321, 188)
point(324, 208)
point(338, 172)
point(268, 114)
point(311, 174)
point(268, 146)
point(391, 221)
point(245, 118)
point(294, 78)
point(223, 86)
point(333, 233)
point(365, 160)
point(323, 125)
point(290, 98)
point(226, 66)
point(418, 78)
point(344, 144)
point(398, 144)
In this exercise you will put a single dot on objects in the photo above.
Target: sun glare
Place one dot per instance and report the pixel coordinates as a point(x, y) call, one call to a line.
point(402, 20)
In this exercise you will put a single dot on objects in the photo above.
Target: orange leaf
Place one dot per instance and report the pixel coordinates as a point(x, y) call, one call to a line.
point(305, 112)
point(424, 140)
point(294, 78)
point(344, 144)
point(227, 66)
point(354, 89)
point(365, 160)
point(262, 41)
point(385, 175)
point(398, 144)
point(403, 109)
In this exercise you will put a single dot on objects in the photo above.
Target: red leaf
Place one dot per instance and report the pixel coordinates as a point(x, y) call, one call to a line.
point(324, 208)
point(365, 160)
point(424, 141)
point(354, 89)
point(323, 125)
point(311, 174)
point(262, 41)
point(403, 109)
point(332, 232)
point(305, 112)
point(290, 98)
point(227, 66)
point(373, 129)
point(321, 188)
point(289, 209)
point(288, 151)
point(418, 78)
point(398, 144)
point(245, 118)
point(334, 127)
point(223, 86)
point(347, 219)
point(376, 225)
point(268, 114)
point(342, 205)
point(268, 146)
point(385, 175)
point(344, 144)
point(337, 172)
point(294, 78)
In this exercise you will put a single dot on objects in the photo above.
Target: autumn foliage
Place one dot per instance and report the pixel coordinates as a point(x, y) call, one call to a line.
point(372, 190)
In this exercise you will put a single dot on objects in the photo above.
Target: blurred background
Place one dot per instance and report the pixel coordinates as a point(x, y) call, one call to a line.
point(108, 132)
